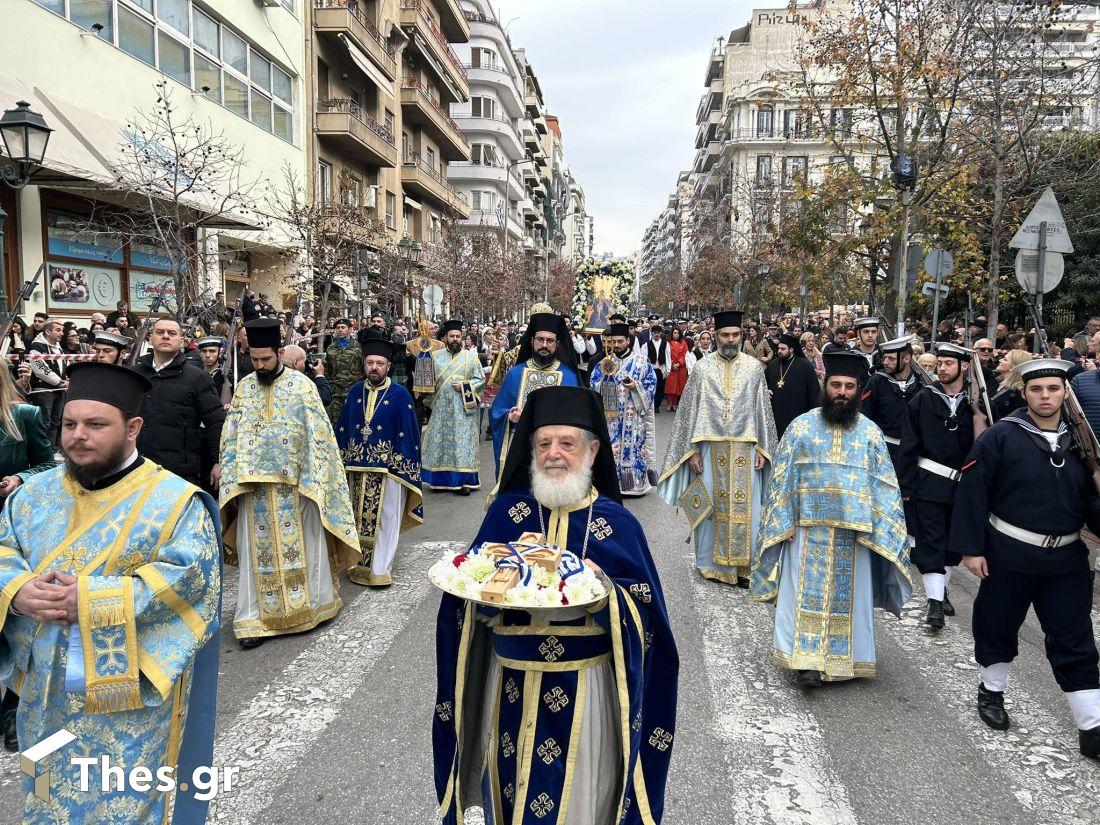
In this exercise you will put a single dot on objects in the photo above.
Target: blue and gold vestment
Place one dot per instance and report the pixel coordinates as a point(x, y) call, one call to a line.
point(135, 678)
point(450, 456)
point(541, 695)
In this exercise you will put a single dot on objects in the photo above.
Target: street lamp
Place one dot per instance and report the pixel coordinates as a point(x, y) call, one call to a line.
point(25, 135)
point(411, 251)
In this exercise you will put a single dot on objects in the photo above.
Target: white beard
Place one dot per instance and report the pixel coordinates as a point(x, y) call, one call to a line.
point(555, 493)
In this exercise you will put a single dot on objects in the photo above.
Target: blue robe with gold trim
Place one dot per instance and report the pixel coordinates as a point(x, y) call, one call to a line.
point(452, 440)
point(135, 678)
point(520, 380)
point(529, 776)
point(832, 545)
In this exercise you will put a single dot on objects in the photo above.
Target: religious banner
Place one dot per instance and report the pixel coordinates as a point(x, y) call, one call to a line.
point(602, 289)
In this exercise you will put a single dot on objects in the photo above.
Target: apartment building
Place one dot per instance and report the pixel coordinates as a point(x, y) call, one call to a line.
point(89, 68)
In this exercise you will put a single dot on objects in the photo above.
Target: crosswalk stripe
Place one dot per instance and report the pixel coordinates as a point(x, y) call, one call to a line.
point(283, 720)
point(775, 746)
point(1038, 754)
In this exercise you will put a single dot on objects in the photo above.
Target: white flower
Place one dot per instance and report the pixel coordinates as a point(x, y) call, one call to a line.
point(478, 567)
point(544, 577)
point(523, 596)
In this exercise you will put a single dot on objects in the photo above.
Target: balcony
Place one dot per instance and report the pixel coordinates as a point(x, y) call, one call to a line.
point(418, 106)
point(332, 18)
point(500, 79)
point(495, 124)
point(422, 29)
point(419, 177)
point(343, 121)
point(476, 171)
point(355, 222)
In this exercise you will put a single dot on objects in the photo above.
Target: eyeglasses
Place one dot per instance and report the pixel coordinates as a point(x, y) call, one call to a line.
point(985, 349)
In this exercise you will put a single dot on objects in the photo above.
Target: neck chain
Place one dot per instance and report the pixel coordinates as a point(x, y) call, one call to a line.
point(587, 527)
point(783, 373)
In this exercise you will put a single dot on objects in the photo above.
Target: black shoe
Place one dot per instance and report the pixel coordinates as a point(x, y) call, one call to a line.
point(934, 619)
point(250, 643)
point(948, 608)
point(809, 679)
point(465, 491)
point(1089, 741)
point(11, 735)
point(742, 582)
point(991, 707)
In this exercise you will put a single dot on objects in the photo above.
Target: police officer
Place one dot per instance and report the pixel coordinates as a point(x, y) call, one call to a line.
point(1022, 501)
point(866, 344)
point(889, 391)
point(937, 433)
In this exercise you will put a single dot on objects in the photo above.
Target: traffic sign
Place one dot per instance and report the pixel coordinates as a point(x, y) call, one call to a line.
point(939, 263)
point(433, 298)
point(1027, 268)
point(929, 289)
point(1047, 209)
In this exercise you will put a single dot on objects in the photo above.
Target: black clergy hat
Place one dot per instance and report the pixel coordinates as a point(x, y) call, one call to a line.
point(563, 406)
point(1044, 368)
point(897, 344)
point(210, 341)
point(844, 363)
point(375, 341)
point(111, 340)
point(120, 387)
point(952, 351)
point(617, 329)
point(545, 322)
point(264, 333)
point(728, 318)
point(450, 326)
point(863, 323)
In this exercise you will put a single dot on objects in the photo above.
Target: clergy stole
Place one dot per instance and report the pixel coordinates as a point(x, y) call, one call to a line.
point(280, 559)
point(732, 478)
point(368, 490)
point(823, 615)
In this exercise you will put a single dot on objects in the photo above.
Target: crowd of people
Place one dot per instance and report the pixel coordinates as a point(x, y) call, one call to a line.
point(814, 465)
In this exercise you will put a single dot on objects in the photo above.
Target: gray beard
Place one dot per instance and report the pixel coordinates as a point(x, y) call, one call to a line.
point(729, 351)
point(554, 493)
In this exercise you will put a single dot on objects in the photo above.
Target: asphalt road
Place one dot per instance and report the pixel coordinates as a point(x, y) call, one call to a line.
point(333, 726)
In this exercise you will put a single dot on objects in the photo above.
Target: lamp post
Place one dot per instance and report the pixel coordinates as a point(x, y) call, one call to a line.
point(504, 223)
point(25, 135)
point(411, 251)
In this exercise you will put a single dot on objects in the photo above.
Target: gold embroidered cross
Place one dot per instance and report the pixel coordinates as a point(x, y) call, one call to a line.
point(549, 750)
point(600, 528)
point(551, 649)
point(511, 690)
point(661, 739)
point(555, 699)
point(542, 805)
point(519, 512)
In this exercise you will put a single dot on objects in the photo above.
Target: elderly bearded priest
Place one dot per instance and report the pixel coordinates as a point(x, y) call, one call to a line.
point(110, 589)
point(569, 712)
point(832, 537)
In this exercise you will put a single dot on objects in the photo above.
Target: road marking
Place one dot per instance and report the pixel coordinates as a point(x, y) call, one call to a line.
point(1038, 755)
point(283, 720)
point(775, 747)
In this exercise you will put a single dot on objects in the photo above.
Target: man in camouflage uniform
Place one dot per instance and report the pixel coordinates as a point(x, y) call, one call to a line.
point(343, 366)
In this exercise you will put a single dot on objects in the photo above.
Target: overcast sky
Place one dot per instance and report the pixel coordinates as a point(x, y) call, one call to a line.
point(625, 77)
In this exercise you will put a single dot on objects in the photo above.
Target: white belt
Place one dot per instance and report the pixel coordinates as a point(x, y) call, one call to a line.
point(939, 469)
point(895, 441)
point(1028, 537)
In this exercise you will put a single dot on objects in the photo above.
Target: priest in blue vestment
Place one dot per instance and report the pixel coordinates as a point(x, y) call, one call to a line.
point(833, 543)
point(379, 440)
point(546, 359)
point(568, 715)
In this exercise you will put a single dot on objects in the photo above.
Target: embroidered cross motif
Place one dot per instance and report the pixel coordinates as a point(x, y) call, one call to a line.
point(549, 750)
point(551, 649)
point(519, 512)
point(131, 562)
point(511, 690)
point(642, 592)
point(626, 809)
point(542, 805)
point(506, 746)
point(509, 791)
point(637, 723)
point(443, 711)
point(110, 657)
point(739, 497)
point(739, 461)
point(647, 641)
point(722, 460)
point(555, 699)
point(600, 528)
point(72, 559)
point(661, 739)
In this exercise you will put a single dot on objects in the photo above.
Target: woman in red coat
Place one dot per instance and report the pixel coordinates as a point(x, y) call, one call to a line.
point(677, 369)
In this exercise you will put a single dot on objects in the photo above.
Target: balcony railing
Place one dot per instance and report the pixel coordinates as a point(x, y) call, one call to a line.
point(791, 133)
point(357, 12)
point(441, 39)
point(415, 161)
point(347, 106)
point(353, 217)
point(423, 94)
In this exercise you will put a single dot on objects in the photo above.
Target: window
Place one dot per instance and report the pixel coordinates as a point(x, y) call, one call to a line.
point(175, 58)
point(483, 201)
point(281, 85)
point(482, 106)
point(352, 192)
point(483, 58)
point(86, 13)
point(794, 170)
point(324, 181)
point(135, 36)
point(208, 76)
point(484, 154)
point(206, 33)
point(434, 229)
point(837, 160)
point(234, 51)
point(763, 170)
point(56, 6)
point(391, 210)
point(261, 71)
point(794, 124)
point(841, 122)
point(283, 125)
point(261, 111)
point(406, 153)
point(765, 121)
point(429, 156)
point(174, 13)
point(236, 95)
point(389, 121)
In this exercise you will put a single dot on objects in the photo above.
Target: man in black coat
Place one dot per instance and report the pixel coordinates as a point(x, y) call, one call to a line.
point(183, 415)
point(792, 383)
point(657, 353)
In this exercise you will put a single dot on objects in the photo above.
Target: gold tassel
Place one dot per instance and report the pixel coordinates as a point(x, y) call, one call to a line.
point(113, 698)
point(108, 611)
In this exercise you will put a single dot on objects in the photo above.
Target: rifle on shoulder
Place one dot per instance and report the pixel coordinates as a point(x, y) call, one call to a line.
point(884, 334)
point(229, 385)
point(24, 295)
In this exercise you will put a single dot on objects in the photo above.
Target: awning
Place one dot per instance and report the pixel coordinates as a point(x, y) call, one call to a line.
point(444, 78)
point(410, 202)
point(368, 68)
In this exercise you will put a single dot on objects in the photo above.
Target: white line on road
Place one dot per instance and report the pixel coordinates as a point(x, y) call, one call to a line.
point(776, 747)
point(283, 720)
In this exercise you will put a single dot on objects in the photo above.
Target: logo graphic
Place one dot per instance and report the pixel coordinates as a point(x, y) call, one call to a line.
point(29, 759)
